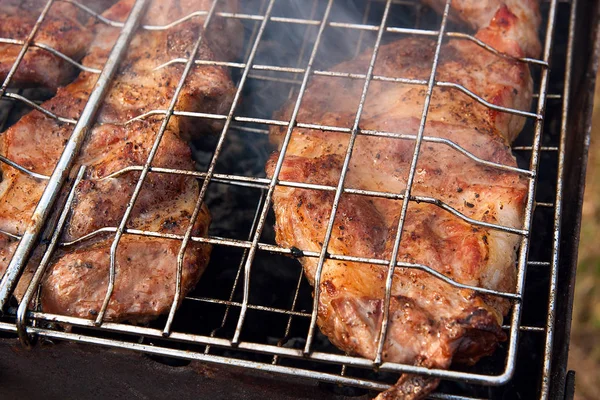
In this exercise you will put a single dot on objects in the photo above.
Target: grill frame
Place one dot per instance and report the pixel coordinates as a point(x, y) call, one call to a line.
point(514, 327)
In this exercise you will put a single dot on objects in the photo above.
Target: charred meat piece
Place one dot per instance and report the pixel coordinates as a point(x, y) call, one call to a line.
point(63, 29)
point(76, 280)
point(431, 323)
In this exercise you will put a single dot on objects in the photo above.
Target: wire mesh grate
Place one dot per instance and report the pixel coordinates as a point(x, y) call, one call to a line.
point(228, 298)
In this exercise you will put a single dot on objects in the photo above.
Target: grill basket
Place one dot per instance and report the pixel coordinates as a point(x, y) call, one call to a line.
point(250, 321)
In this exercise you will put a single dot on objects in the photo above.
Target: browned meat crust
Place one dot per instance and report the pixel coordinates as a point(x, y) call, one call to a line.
point(522, 30)
point(63, 29)
point(431, 323)
point(77, 279)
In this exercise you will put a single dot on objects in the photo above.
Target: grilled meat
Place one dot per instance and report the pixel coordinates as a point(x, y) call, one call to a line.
point(431, 322)
point(76, 281)
point(63, 29)
point(518, 20)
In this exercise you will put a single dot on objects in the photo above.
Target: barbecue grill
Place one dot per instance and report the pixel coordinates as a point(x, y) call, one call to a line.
point(248, 329)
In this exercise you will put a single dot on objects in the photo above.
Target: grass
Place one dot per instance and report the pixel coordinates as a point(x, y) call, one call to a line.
point(584, 354)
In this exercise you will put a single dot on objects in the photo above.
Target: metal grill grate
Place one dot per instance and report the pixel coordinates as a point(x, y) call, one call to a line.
point(224, 320)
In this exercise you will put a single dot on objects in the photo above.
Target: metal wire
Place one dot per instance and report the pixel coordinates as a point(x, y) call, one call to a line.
point(273, 181)
point(63, 166)
point(52, 51)
point(35, 106)
point(329, 128)
point(23, 169)
point(135, 330)
point(145, 170)
point(39, 273)
point(363, 26)
point(340, 186)
point(254, 243)
point(25, 46)
point(545, 389)
point(263, 183)
point(213, 162)
point(408, 190)
point(337, 74)
point(229, 303)
point(528, 220)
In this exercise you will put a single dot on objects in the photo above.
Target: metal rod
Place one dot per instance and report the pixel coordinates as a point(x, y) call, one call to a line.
point(16, 96)
point(94, 14)
point(309, 374)
point(293, 81)
point(32, 288)
point(25, 46)
point(23, 169)
point(144, 173)
point(511, 358)
point(547, 366)
point(148, 349)
point(263, 184)
point(280, 250)
point(291, 314)
point(238, 272)
point(213, 162)
point(406, 31)
point(356, 76)
point(302, 52)
point(10, 235)
point(418, 14)
point(407, 192)
point(340, 186)
point(230, 303)
point(361, 35)
point(539, 263)
point(529, 148)
point(53, 51)
point(545, 205)
point(61, 171)
point(362, 27)
point(330, 358)
point(366, 132)
point(185, 337)
point(273, 182)
point(255, 25)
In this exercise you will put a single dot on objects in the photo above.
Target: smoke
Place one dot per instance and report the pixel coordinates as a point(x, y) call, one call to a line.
point(274, 278)
point(247, 147)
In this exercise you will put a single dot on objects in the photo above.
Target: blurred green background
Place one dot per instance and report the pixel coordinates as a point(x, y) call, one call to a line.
point(584, 353)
